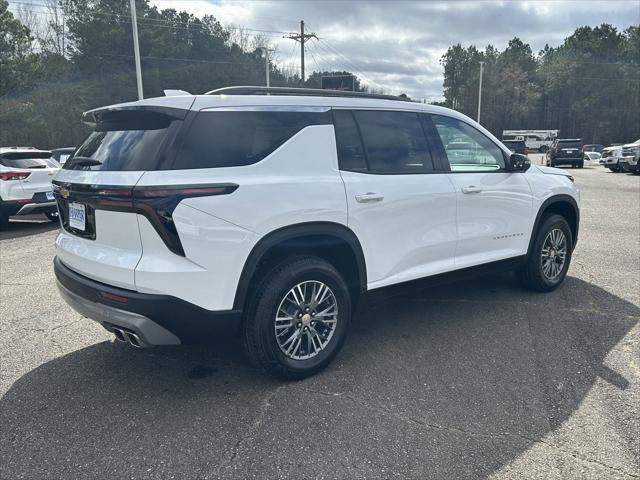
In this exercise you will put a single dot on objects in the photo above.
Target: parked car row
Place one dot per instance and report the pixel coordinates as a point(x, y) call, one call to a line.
point(622, 158)
point(617, 158)
point(25, 181)
point(630, 157)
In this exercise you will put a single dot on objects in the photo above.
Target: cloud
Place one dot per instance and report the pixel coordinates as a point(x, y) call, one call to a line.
point(396, 45)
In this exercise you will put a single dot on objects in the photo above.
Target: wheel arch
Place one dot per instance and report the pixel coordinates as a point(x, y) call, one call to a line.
point(332, 241)
point(564, 205)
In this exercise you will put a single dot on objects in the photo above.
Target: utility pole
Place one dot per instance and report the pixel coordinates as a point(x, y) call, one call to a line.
point(265, 51)
point(136, 48)
point(480, 90)
point(301, 37)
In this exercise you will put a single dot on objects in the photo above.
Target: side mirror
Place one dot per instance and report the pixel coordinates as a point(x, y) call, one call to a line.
point(518, 163)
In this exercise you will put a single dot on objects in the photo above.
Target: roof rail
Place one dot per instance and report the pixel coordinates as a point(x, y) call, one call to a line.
point(311, 92)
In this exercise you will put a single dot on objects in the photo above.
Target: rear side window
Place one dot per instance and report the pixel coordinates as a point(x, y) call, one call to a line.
point(350, 150)
point(230, 138)
point(394, 142)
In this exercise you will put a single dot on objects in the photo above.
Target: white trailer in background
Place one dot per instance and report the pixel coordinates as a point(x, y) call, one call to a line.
point(539, 140)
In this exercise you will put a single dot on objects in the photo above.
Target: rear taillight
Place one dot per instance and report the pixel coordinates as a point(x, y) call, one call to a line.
point(14, 175)
point(155, 202)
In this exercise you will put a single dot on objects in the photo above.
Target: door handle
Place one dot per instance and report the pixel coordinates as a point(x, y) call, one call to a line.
point(369, 197)
point(471, 189)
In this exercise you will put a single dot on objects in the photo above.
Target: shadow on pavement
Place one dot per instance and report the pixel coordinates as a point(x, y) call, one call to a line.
point(27, 225)
point(450, 382)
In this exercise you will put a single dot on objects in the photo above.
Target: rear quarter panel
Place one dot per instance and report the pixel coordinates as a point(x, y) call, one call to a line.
point(297, 183)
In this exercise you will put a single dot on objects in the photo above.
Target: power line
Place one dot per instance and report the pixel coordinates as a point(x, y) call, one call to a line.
point(149, 21)
point(178, 59)
point(348, 63)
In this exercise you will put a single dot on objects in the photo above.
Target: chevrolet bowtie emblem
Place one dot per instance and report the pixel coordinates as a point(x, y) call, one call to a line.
point(64, 193)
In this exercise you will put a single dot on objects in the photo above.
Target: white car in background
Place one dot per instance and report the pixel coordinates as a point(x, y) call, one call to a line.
point(25, 183)
point(611, 158)
point(629, 160)
point(592, 156)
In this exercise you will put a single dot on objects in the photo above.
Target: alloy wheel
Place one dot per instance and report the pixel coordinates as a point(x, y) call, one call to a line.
point(306, 320)
point(554, 254)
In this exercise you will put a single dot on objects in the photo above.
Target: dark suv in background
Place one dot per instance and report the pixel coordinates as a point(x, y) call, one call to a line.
point(516, 146)
point(566, 151)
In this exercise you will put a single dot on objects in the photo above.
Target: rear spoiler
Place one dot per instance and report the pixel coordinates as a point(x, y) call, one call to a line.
point(174, 93)
point(132, 117)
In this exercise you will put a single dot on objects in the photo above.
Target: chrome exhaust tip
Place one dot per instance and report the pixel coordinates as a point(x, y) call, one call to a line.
point(133, 339)
point(119, 333)
point(125, 335)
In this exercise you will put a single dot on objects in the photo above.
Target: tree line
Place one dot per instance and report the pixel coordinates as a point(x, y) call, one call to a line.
point(68, 56)
point(588, 87)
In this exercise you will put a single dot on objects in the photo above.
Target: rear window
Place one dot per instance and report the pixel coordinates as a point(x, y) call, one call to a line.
point(235, 138)
point(568, 144)
point(28, 160)
point(120, 150)
point(126, 140)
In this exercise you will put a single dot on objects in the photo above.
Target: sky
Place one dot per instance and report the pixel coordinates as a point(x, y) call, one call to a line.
point(396, 46)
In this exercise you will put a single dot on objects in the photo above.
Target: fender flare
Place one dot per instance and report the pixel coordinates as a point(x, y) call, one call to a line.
point(561, 198)
point(291, 232)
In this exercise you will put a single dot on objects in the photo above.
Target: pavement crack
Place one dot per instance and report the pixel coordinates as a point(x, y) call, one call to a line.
point(447, 428)
point(265, 404)
point(63, 325)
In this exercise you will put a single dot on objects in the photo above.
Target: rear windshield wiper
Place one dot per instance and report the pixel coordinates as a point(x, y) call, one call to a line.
point(83, 162)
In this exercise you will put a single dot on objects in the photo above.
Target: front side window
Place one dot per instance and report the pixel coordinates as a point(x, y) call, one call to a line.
point(232, 138)
point(394, 142)
point(467, 149)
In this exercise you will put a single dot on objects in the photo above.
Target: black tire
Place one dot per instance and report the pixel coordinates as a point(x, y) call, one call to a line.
point(543, 149)
point(581, 164)
point(53, 216)
point(531, 274)
point(258, 336)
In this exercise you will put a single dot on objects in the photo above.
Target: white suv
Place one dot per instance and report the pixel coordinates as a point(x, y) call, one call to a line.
point(25, 183)
point(271, 215)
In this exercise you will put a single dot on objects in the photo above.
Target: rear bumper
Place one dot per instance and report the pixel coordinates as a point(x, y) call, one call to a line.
point(567, 160)
point(37, 208)
point(11, 208)
point(155, 319)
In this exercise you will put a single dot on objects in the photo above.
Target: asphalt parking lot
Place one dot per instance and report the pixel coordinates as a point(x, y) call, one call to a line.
point(469, 380)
